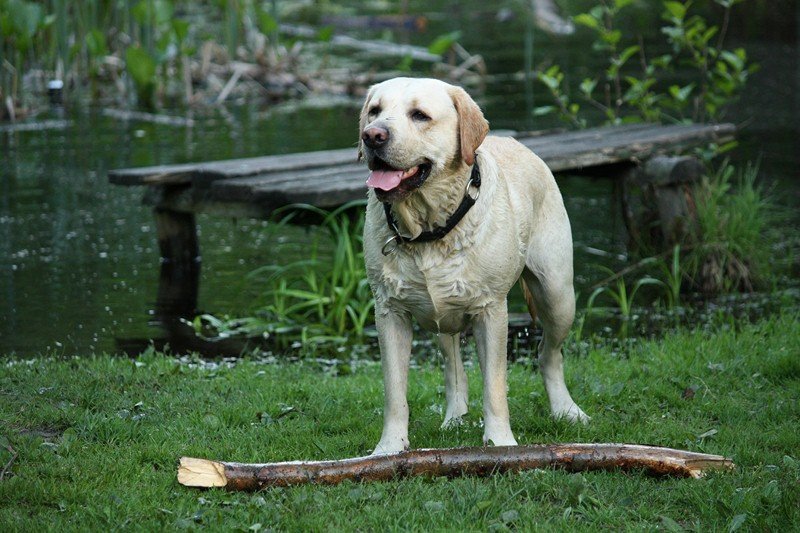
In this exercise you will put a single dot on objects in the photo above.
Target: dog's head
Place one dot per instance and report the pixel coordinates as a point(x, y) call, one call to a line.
point(416, 130)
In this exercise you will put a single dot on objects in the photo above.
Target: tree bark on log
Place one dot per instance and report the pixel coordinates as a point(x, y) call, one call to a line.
point(450, 462)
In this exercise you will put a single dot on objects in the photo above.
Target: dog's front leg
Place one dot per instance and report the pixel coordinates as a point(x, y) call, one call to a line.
point(491, 335)
point(394, 338)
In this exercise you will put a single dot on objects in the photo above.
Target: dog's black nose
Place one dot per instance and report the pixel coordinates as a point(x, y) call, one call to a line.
point(375, 137)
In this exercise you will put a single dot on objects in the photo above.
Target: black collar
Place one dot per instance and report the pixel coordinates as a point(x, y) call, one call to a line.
point(439, 231)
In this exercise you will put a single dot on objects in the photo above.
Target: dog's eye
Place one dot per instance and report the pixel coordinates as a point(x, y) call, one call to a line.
point(374, 110)
point(419, 116)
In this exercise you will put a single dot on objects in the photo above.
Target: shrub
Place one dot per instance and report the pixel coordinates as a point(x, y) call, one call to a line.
point(622, 95)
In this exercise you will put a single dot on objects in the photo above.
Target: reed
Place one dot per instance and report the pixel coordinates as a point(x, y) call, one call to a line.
point(733, 247)
point(71, 40)
point(322, 299)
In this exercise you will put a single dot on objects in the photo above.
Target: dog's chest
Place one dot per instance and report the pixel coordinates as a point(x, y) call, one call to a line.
point(438, 291)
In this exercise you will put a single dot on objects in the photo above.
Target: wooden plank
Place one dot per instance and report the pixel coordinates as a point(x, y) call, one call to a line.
point(202, 173)
point(575, 152)
point(237, 189)
point(328, 186)
point(607, 148)
point(257, 186)
point(562, 151)
point(617, 138)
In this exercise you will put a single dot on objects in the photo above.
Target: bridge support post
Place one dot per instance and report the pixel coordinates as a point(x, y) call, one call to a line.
point(179, 276)
point(664, 212)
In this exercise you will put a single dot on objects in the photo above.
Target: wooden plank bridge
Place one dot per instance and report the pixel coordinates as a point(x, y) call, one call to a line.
point(256, 187)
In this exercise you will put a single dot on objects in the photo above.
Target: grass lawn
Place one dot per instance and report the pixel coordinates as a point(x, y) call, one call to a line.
point(98, 439)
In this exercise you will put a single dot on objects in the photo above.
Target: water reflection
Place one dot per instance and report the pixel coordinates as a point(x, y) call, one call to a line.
point(79, 258)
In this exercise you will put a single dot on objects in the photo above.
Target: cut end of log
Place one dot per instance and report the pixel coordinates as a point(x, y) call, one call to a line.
point(698, 468)
point(194, 472)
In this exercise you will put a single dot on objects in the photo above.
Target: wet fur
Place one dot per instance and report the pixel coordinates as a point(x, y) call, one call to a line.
point(517, 228)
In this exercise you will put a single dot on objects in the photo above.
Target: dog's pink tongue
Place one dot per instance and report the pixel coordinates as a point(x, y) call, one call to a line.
point(389, 179)
point(385, 179)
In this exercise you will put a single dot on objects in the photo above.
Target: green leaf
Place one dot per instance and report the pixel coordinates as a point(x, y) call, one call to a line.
point(543, 110)
point(733, 59)
point(325, 34)
point(140, 65)
point(681, 94)
point(587, 86)
point(22, 21)
point(96, 43)
point(628, 53)
point(662, 61)
point(443, 43)
point(676, 9)
point(737, 522)
point(710, 33)
point(267, 23)
point(181, 29)
point(611, 37)
point(670, 525)
point(585, 19)
point(150, 12)
point(551, 77)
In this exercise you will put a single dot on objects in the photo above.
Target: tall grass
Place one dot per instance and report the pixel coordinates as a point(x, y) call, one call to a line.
point(731, 250)
point(322, 298)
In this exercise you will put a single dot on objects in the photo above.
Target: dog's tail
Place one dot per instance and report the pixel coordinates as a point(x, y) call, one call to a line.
point(528, 295)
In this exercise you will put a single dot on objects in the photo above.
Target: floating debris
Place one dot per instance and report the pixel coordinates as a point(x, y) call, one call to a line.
point(165, 120)
point(36, 126)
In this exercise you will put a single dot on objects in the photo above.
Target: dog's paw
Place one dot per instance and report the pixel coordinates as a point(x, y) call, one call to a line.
point(452, 422)
point(498, 434)
point(573, 414)
point(390, 446)
point(499, 440)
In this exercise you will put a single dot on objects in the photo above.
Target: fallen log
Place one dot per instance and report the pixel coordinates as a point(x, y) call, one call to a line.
point(450, 462)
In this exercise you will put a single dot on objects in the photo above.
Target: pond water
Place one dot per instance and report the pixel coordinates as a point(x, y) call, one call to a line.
point(78, 257)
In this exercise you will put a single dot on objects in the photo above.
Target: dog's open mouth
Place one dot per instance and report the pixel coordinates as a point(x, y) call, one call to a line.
point(393, 184)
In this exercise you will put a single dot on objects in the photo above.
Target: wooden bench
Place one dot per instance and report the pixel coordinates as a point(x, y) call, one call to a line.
point(256, 187)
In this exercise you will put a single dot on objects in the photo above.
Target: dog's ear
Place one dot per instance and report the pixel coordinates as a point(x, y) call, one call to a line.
point(472, 126)
point(362, 121)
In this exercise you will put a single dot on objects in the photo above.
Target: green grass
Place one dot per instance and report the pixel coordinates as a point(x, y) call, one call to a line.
point(98, 440)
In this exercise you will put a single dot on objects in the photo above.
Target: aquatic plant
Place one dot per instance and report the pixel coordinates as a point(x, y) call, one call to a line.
point(168, 52)
point(621, 295)
point(673, 274)
point(20, 22)
point(731, 247)
point(324, 298)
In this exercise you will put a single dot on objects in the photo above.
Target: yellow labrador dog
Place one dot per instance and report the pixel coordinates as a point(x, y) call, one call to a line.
point(454, 219)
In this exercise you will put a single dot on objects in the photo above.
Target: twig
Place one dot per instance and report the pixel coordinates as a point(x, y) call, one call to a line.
point(450, 462)
point(7, 467)
point(234, 79)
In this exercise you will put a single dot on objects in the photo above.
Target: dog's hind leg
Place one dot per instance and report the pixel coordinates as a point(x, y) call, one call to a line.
point(455, 380)
point(554, 298)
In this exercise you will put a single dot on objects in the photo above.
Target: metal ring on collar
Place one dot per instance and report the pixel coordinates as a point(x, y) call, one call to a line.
point(471, 183)
point(391, 244)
